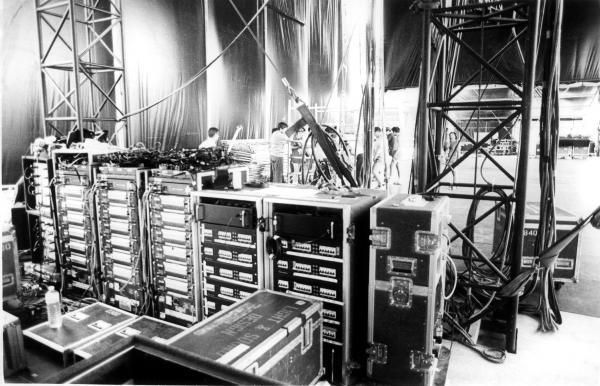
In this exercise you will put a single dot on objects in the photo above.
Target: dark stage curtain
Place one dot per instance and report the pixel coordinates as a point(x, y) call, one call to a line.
point(235, 83)
point(580, 56)
point(21, 101)
point(164, 47)
point(325, 49)
point(286, 32)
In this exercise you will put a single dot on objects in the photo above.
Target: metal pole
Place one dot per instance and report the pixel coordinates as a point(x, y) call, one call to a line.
point(440, 96)
point(38, 17)
point(128, 135)
point(76, 66)
point(422, 149)
point(521, 183)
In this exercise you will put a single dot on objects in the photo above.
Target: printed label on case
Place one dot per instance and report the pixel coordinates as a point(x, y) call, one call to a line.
point(100, 325)
point(128, 331)
point(77, 316)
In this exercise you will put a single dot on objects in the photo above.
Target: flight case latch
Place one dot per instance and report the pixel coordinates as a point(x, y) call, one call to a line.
point(381, 238)
point(377, 353)
point(421, 362)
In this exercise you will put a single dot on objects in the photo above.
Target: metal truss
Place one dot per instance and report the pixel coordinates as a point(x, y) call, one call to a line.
point(448, 30)
point(82, 65)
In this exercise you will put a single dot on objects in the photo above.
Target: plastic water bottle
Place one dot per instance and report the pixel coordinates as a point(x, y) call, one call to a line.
point(53, 307)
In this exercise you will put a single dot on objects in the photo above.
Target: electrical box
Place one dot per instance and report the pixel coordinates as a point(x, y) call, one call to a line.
point(270, 334)
point(406, 288)
point(317, 247)
point(567, 267)
point(231, 230)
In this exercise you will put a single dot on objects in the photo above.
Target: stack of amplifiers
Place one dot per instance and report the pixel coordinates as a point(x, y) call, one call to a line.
point(406, 288)
point(231, 230)
point(120, 230)
point(174, 265)
point(75, 222)
point(39, 200)
point(318, 254)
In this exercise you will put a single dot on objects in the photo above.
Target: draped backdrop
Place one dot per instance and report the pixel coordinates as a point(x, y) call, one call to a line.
point(580, 46)
point(165, 43)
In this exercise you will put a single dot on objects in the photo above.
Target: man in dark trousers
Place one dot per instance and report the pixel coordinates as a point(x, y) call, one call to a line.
point(394, 145)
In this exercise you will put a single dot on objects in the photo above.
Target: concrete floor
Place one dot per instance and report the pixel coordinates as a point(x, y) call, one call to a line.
point(567, 357)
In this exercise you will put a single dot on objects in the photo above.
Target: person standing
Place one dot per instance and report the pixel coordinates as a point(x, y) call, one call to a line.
point(380, 149)
point(452, 148)
point(394, 144)
point(212, 140)
point(296, 158)
point(278, 152)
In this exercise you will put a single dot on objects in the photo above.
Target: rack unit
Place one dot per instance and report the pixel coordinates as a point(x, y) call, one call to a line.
point(39, 200)
point(231, 230)
point(121, 237)
point(313, 242)
point(175, 273)
point(74, 172)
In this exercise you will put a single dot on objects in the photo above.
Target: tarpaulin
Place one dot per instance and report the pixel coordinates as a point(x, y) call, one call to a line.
point(580, 56)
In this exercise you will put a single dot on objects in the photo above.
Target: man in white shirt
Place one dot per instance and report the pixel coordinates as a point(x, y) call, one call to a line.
point(277, 149)
point(212, 140)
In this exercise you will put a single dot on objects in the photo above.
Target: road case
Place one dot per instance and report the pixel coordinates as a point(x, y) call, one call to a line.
point(79, 327)
point(406, 288)
point(231, 230)
point(11, 278)
point(155, 329)
point(567, 267)
point(318, 247)
point(269, 334)
point(12, 340)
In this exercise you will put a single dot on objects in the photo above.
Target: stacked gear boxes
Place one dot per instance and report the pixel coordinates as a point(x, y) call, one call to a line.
point(231, 228)
point(76, 228)
point(315, 249)
point(121, 232)
point(174, 266)
point(39, 199)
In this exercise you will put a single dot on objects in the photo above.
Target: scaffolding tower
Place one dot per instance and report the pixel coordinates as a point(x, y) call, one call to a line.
point(448, 33)
point(81, 67)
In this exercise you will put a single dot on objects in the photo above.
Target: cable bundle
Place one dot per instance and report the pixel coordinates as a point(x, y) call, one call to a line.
point(547, 307)
point(255, 155)
point(192, 159)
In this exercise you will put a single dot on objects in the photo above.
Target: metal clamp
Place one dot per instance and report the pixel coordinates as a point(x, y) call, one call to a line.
point(421, 362)
point(377, 353)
